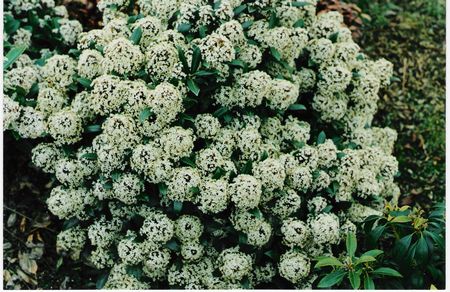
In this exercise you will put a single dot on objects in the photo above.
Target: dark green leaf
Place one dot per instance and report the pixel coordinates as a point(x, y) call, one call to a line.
point(351, 244)
point(300, 4)
point(439, 240)
point(196, 59)
point(299, 23)
point(162, 189)
point(368, 283)
point(422, 250)
point(145, 114)
point(177, 206)
point(321, 138)
point(11, 25)
point(332, 279)
point(136, 35)
point(202, 31)
point(238, 10)
point(275, 53)
point(296, 107)
point(86, 83)
point(203, 73)
point(193, 87)
point(375, 234)
point(238, 63)
point(273, 20)
point(69, 223)
point(355, 279)
point(101, 281)
point(173, 245)
point(386, 272)
point(93, 128)
point(256, 212)
point(188, 161)
point(184, 27)
point(182, 58)
point(247, 24)
point(13, 55)
point(89, 156)
point(221, 111)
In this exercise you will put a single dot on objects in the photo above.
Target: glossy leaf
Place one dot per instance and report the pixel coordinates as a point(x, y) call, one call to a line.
point(368, 283)
point(401, 219)
point(321, 138)
point(296, 107)
point(373, 253)
point(136, 35)
point(328, 261)
point(145, 114)
point(196, 59)
point(12, 56)
point(193, 87)
point(332, 279)
point(275, 53)
point(386, 272)
point(351, 244)
point(355, 279)
point(365, 259)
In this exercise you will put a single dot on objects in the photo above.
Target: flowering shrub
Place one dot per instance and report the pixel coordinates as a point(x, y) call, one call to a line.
point(205, 145)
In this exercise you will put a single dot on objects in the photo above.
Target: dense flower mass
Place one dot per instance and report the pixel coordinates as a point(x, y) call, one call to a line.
point(205, 144)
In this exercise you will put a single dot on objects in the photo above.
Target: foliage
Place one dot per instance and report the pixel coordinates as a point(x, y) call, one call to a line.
point(357, 269)
point(413, 241)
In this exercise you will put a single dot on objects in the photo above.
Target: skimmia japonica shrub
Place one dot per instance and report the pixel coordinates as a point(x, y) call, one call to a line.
point(202, 144)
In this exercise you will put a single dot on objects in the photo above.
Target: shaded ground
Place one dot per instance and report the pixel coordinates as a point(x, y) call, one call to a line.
point(411, 34)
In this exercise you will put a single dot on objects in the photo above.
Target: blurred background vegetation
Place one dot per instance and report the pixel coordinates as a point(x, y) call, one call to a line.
point(409, 33)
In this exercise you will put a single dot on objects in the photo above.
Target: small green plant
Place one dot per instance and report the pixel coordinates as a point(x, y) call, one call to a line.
point(354, 268)
point(416, 242)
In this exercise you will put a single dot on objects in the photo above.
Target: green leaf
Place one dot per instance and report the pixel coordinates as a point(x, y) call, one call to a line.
point(196, 59)
point(402, 246)
point(86, 83)
point(401, 219)
point(247, 24)
point(12, 56)
point(101, 281)
point(11, 25)
point(238, 10)
point(220, 112)
point(373, 253)
point(238, 63)
point(439, 240)
point(273, 20)
point(387, 272)
point(177, 206)
point(296, 107)
point(69, 223)
point(275, 53)
point(299, 23)
point(188, 161)
point(193, 87)
point(300, 4)
point(162, 189)
point(202, 31)
point(89, 156)
point(203, 73)
point(368, 283)
point(256, 212)
point(375, 234)
point(271, 254)
point(59, 263)
point(355, 279)
point(365, 259)
point(351, 244)
point(173, 245)
point(93, 128)
point(184, 27)
point(321, 138)
point(422, 250)
point(136, 35)
point(182, 58)
point(145, 114)
point(328, 261)
point(332, 279)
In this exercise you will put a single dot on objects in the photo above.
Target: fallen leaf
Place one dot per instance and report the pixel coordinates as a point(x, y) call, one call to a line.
point(23, 223)
point(28, 265)
point(11, 220)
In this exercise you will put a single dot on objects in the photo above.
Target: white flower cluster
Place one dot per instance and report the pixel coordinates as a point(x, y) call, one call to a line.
point(202, 196)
